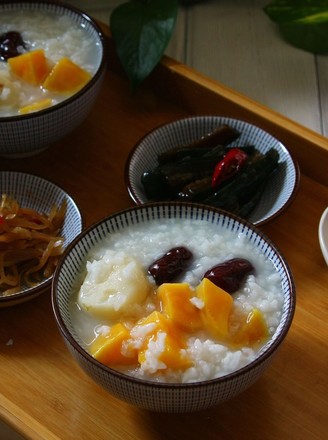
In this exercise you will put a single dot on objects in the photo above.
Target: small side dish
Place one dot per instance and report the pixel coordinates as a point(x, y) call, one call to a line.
point(38, 220)
point(30, 244)
point(215, 160)
point(209, 171)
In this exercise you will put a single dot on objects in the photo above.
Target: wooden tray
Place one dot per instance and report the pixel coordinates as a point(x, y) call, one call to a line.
point(45, 395)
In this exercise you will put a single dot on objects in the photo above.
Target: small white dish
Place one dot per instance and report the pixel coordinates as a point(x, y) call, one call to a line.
point(323, 234)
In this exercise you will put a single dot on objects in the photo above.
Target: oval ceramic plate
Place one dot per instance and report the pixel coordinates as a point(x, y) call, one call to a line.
point(278, 193)
point(41, 195)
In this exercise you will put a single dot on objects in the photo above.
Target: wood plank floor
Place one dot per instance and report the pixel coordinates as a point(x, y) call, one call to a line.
point(235, 43)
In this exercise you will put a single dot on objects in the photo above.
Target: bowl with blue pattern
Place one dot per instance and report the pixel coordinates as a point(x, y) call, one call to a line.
point(58, 38)
point(150, 391)
point(273, 197)
point(34, 194)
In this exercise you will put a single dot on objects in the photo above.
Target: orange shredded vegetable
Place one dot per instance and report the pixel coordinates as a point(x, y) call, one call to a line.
point(30, 244)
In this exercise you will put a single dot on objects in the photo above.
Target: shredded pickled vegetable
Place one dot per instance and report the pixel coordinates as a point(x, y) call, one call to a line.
point(30, 244)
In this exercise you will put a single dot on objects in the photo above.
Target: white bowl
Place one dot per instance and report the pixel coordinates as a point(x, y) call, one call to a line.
point(323, 234)
point(41, 195)
point(28, 134)
point(165, 397)
point(279, 191)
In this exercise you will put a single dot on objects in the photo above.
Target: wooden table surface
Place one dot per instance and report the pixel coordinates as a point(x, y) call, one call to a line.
point(45, 395)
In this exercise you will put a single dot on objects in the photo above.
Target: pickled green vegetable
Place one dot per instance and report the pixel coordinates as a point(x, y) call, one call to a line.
point(185, 173)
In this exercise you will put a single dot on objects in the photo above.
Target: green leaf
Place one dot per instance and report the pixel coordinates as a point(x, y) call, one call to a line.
point(303, 23)
point(302, 11)
point(141, 30)
point(312, 38)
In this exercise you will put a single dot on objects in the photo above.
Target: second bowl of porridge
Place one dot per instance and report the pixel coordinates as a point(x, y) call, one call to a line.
point(52, 63)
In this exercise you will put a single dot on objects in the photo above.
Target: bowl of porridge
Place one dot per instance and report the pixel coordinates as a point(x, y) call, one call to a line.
point(173, 307)
point(52, 64)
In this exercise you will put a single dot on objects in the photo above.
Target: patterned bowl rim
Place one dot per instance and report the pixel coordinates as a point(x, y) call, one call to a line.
point(267, 353)
point(136, 199)
point(102, 65)
point(32, 292)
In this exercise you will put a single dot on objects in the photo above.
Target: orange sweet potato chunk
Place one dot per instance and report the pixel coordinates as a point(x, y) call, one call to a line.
point(35, 106)
point(31, 67)
point(108, 348)
point(176, 304)
point(172, 355)
point(252, 331)
point(216, 310)
point(66, 77)
point(160, 322)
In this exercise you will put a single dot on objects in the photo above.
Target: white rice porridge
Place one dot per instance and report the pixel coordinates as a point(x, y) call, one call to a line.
point(140, 245)
point(59, 36)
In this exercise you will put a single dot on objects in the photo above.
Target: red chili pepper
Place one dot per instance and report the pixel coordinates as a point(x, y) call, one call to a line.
point(2, 223)
point(228, 166)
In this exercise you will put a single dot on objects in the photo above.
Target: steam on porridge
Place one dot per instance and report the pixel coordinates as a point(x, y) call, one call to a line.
point(145, 308)
point(44, 59)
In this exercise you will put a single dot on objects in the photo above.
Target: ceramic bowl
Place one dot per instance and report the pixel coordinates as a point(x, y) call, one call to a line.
point(323, 234)
point(34, 192)
point(279, 191)
point(156, 396)
point(28, 134)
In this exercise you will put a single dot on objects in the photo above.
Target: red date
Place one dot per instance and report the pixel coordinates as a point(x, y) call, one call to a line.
point(230, 274)
point(11, 45)
point(170, 265)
